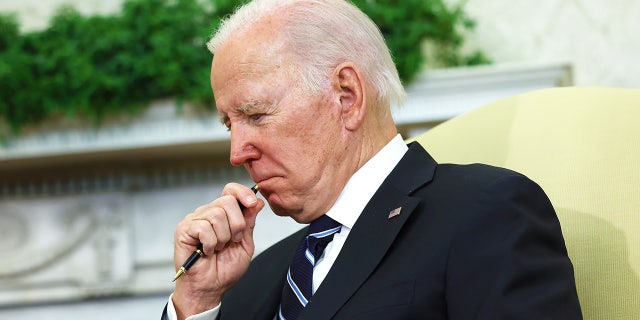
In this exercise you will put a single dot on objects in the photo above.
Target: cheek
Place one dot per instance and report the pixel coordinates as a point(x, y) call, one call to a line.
point(306, 153)
point(309, 138)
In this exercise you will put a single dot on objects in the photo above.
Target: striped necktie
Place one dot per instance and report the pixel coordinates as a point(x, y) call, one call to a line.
point(298, 290)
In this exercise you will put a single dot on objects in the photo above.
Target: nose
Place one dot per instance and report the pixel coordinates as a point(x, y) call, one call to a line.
point(243, 148)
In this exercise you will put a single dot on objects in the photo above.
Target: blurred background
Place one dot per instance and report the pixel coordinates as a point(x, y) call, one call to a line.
point(108, 134)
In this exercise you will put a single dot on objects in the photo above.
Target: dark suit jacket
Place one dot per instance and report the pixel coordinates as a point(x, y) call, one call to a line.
point(471, 242)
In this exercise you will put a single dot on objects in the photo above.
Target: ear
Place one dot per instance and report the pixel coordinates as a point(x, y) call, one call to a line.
point(350, 94)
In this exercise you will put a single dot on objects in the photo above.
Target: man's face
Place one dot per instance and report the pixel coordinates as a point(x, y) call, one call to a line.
point(291, 143)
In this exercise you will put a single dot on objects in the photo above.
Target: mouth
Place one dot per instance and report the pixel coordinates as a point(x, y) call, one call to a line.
point(266, 184)
point(259, 180)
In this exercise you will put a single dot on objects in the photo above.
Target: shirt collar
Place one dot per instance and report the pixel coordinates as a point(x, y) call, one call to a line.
point(365, 182)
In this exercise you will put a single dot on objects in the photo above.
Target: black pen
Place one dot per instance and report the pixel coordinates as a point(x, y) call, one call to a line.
point(199, 253)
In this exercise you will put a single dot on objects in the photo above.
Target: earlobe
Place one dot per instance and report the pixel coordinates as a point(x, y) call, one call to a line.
point(349, 87)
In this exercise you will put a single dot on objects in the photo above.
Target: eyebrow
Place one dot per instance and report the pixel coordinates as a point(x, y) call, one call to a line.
point(247, 106)
point(243, 109)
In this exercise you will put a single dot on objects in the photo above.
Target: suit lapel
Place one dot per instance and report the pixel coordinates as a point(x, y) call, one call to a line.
point(266, 273)
point(271, 301)
point(373, 234)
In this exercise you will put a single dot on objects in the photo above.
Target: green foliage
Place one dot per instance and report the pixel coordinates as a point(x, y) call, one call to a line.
point(92, 67)
point(407, 24)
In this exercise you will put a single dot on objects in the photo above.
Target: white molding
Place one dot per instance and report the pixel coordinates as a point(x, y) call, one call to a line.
point(437, 95)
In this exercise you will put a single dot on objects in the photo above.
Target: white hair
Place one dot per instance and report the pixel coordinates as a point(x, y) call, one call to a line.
point(322, 34)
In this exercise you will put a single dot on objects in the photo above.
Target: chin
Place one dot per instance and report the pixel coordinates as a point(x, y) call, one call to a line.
point(281, 211)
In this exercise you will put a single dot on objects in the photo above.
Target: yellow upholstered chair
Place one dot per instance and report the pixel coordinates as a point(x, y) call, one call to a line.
point(582, 145)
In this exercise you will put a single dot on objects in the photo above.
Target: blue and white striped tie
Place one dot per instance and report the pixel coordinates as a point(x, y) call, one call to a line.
point(298, 290)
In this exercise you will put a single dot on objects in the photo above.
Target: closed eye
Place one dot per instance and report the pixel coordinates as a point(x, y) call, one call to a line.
point(255, 117)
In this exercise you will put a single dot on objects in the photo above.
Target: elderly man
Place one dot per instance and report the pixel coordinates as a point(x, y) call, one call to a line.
point(305, 89)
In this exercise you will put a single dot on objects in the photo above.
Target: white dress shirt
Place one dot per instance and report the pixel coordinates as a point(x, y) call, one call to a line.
point(350, 203)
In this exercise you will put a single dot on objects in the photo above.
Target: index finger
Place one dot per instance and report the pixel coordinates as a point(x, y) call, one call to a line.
point(237, 223)
point(246, 197)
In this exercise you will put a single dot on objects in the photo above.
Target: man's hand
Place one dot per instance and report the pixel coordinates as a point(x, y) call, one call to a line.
point(226, 234)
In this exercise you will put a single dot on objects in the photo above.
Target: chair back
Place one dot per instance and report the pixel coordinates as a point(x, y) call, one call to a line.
point(582, 145)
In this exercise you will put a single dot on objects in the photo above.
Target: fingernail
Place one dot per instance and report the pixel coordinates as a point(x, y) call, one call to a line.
point(251, 199)
point(237, 237)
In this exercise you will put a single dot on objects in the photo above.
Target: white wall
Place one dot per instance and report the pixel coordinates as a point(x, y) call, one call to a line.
point(35, 14)
point(601, 39)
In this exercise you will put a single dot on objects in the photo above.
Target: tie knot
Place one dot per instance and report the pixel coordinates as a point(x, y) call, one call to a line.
point(323, 226)
point(321, 232)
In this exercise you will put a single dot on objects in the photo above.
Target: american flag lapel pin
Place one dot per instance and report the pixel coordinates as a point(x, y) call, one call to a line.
point(394, 213)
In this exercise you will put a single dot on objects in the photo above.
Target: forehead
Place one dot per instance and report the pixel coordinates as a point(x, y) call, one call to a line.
point(248, 58)
point(244, 68)
point(256, 48)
